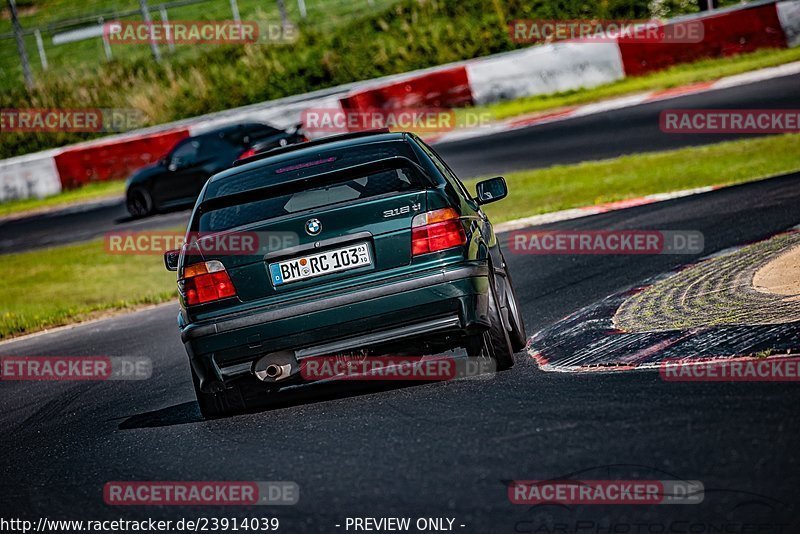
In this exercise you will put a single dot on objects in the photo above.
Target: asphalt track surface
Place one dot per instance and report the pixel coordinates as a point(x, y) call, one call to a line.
point(432, 450)
point(626, 131)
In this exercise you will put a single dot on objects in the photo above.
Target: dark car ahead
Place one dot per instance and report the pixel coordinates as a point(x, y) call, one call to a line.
point(177, 179)
point(380, 248)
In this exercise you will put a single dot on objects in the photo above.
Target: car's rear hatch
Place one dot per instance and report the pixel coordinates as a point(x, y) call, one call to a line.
point(321, 232)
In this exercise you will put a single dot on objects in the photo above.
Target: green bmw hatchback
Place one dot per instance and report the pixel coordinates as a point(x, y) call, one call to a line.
point(363, 243)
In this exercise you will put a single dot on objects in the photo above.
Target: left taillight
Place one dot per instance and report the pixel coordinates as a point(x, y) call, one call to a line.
point(206, 282)
point(436, 230)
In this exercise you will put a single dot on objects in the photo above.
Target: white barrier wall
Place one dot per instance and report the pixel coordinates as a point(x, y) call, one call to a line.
point(544, 69)
point(789, 15)
point(33, 175)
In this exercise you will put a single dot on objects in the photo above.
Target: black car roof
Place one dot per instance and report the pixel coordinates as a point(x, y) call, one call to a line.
point(243, 126)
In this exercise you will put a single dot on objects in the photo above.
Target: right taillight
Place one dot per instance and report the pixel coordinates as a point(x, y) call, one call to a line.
point(436, 230)
point(206, 282)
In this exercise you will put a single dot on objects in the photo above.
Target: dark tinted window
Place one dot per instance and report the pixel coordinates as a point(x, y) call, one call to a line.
point(252, 132)
point(213, 144)
point(372, 185)
point(185, 154)
point(308, 164)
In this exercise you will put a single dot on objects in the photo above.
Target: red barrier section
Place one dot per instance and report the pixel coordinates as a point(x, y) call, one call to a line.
point(726, 34)
point(115, 159)
point(439, 89)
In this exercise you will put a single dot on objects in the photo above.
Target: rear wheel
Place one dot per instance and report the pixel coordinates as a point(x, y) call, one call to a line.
point(494, 342)
point(214, 405)
point(139, 203)
point(517, 334)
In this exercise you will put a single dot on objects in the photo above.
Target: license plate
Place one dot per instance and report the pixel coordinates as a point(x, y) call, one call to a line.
point(314, 265)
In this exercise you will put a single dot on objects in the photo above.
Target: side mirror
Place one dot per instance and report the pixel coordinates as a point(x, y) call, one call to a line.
point(491, 190)
point(171, 258)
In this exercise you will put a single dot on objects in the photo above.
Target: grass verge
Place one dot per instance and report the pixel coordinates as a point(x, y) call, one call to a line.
point(72, 283)
point(67, 284)
point(678, 76)
point(87, 193)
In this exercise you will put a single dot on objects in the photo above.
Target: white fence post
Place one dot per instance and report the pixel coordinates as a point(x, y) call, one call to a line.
point(106, 44)
point(149, 23)
point(40, 46)
point(235, 11)
point(165, 19)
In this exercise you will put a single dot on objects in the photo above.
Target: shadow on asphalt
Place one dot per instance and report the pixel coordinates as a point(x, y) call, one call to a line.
point(179, 414)
point(189, 412)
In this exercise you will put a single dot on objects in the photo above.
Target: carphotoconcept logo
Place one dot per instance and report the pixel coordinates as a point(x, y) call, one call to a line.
point(206, 493)
point(70, 120)
point(74, 368)
point(623, 242)
point(651, 31)
point(730, 121)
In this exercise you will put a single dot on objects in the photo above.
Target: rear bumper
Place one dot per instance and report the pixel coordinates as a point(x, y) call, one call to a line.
point(451, 299)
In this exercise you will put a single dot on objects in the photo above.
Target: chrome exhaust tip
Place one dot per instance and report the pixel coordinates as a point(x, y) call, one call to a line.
point(275, 367)
point(274, 371)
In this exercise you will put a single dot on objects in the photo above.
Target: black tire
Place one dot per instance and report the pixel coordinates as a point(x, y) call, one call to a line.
point(215, 405)
point(495, 342)
point(139, 203)
point(518, 336)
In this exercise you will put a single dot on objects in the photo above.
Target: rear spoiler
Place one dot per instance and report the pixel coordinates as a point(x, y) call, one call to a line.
point(314, 142)
point(331, 177)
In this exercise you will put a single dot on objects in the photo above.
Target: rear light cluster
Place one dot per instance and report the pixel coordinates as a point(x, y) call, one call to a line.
point(436, 230)
point(206, 282)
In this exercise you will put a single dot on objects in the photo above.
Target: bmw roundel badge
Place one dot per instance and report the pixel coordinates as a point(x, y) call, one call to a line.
point(313, 227)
